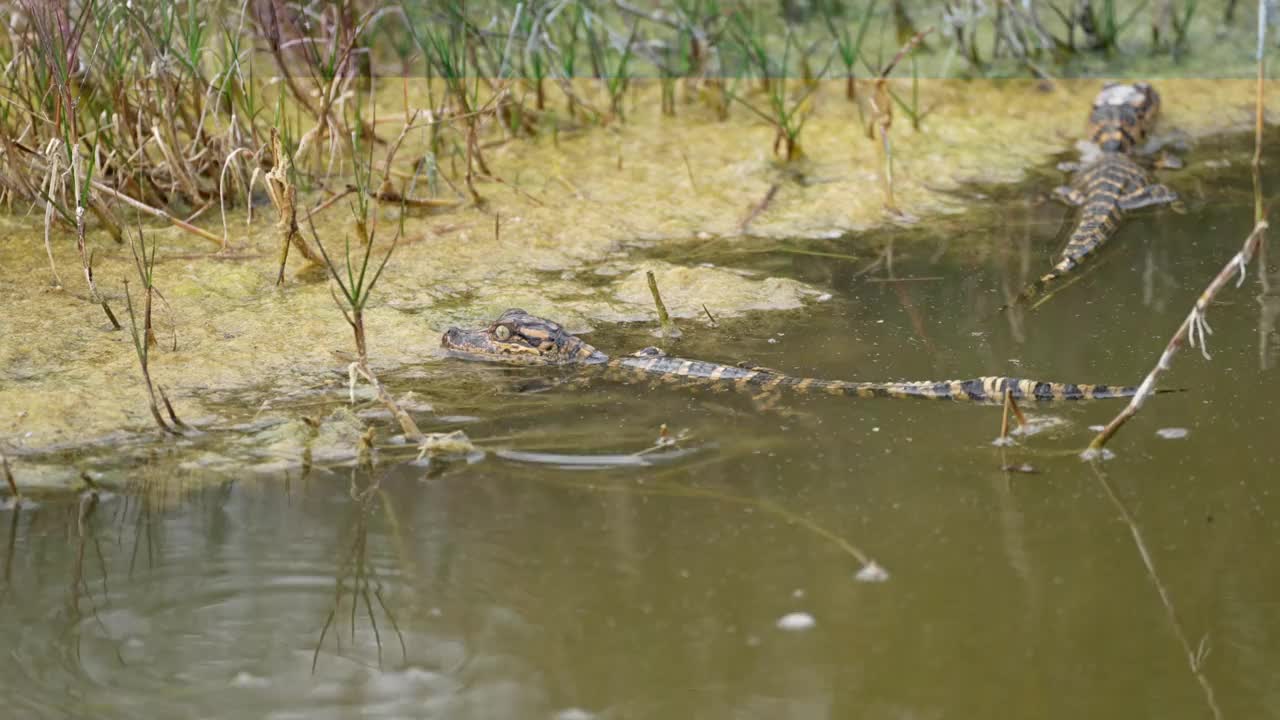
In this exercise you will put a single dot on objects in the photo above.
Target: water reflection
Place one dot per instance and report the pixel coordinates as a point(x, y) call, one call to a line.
point(357, 580)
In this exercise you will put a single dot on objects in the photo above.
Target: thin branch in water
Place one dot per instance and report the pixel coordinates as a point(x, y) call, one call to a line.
point(1010, 407)
point(1193, 329)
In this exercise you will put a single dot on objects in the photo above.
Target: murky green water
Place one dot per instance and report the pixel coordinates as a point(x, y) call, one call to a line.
point(243, 578)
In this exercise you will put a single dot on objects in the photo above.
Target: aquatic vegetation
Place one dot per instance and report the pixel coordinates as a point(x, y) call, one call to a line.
point(353, 279)
point(787, 111)
point(153, 100)
point(144, 337)
point(848, 44)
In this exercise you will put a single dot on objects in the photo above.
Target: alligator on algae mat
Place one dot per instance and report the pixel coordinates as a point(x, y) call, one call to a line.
point(562, 248)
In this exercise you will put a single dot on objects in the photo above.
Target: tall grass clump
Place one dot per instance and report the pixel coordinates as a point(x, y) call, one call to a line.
point(450, 51)
point(787, 109)
point(848, 44)
point(142, 332)
point(355, 276)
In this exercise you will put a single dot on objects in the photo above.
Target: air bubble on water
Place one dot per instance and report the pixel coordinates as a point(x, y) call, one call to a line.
point(796, 621)
point(249, 680)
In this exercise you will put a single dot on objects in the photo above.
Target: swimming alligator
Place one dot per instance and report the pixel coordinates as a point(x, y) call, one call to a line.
point(517, 337)
point(1111, 182)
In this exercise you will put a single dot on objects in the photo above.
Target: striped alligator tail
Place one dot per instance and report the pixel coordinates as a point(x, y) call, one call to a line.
point(984, 389)
point(1037, 288)
point(1101, 215)
point(652, 361)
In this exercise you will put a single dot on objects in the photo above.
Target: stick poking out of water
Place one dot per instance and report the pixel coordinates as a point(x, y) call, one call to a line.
point(1010, 406)
point(668, 328)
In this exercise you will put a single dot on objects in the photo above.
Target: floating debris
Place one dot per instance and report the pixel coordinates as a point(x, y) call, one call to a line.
point(1091, 454)
point(1173, 433)
point(1024, 468)
point(796, 622)
point(1037, 424)
point(871, 573)
point(440, 444)
point(248, 680)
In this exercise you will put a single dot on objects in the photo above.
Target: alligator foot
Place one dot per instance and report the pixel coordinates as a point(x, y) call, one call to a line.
point(1148, 195)
point(1069, 195)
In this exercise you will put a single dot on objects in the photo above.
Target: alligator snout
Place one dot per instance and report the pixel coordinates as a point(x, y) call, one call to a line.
point(450, 337)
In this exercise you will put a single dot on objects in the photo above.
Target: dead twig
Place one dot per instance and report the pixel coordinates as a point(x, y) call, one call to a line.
point(882, 118)
point(1010, 407)
point(1194, 329)
point(758, 208)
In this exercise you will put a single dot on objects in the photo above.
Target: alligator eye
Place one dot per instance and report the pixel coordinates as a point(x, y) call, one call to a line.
point(502, 332)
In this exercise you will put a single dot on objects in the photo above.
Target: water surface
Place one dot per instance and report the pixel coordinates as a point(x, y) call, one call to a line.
point(264, 572)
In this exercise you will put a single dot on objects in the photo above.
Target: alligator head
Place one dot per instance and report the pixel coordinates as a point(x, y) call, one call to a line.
point(1122, 115)
point(518, 337)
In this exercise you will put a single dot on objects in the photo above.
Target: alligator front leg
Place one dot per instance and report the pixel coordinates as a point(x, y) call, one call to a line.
point(1146, 196)
point(1069, 195)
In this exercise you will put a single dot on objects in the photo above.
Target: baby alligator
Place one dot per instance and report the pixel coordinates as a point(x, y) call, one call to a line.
point(1112, 182)
point(520, 338)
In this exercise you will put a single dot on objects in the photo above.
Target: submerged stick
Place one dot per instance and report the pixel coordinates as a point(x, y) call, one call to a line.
point(8, 476)
point(410, 428)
